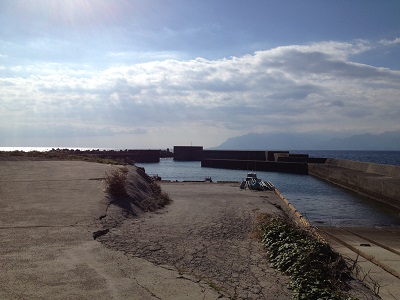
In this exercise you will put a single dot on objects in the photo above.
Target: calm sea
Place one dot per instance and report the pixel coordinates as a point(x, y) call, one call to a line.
point(319, 201)
point(378, 157)
point(43, 149)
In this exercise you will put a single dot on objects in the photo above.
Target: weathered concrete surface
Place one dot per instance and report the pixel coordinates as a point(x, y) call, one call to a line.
point(206, 233)
point(379, 245)
point(48, 212)
point(385, 170)
point(198, 247)
point(380, 182)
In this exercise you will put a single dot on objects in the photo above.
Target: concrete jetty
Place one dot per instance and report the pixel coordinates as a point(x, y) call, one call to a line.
point(198, 247)
point(255, 160)
point(376, 251)
point(377, 181)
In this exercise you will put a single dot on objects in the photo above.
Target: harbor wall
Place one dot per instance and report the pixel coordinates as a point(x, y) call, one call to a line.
point(188, 153)
point(386, 170)
point(256, 165)
point(235, 155)
point(377, 181)
point(254, 160)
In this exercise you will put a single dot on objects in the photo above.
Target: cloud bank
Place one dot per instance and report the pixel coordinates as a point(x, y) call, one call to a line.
point(298, 88)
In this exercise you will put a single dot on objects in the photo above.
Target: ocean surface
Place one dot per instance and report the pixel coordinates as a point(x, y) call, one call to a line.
point(321, 202)
point(43, 149)
point(378, 157)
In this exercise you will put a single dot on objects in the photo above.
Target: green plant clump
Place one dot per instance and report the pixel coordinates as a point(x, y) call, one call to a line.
point(315, 270)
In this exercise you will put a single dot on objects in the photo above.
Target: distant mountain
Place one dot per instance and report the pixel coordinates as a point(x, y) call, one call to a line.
point(270, 141)
point(389, 140)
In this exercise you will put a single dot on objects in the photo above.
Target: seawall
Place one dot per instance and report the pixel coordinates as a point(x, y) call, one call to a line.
point(255, 160)
point(380, 182)
point(256, 165)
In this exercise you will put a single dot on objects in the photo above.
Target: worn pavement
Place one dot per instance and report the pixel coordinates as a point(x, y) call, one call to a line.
point(199, 247)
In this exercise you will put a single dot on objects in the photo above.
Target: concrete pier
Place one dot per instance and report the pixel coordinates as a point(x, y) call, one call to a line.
point(255, 160)
point(188, 153)
point(377, 181)
point(257, 165)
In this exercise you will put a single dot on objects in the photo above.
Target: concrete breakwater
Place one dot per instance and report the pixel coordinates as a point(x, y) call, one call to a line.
point(380, 182)
point(257, 165)
point(255, 160)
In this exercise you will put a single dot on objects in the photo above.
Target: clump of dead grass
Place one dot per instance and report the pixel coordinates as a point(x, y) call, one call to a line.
point(162, 198)
point(141, 190)
point(115, 182)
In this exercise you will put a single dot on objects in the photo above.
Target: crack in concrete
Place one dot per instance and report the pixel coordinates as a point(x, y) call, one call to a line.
point(52, 180)
point(136, 280)
point(40, 226)
point(206, 260)
point(99, 233)
point(216, 251)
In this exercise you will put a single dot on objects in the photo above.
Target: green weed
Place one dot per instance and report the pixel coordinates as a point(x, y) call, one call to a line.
point(315, 270)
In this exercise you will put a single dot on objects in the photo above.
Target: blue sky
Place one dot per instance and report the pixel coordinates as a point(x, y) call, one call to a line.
point(153, 74)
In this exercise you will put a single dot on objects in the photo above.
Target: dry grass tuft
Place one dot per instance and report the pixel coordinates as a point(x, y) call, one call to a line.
point(115, 182)
point(140, 190)
point(162, 198)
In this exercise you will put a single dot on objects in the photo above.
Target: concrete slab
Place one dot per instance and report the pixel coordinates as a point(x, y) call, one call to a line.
point(207, 232)
point(380, 267)
point(48, 211)
point(199, 247)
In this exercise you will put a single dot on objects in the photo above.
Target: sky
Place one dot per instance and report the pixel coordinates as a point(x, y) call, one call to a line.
point(158, 73)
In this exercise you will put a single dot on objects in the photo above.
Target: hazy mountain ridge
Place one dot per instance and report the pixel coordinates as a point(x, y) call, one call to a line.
point(388, 140)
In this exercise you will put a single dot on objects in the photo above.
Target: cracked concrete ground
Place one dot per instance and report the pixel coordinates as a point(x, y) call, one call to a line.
point(198, 247)
point(48, 212)
point(206, 233)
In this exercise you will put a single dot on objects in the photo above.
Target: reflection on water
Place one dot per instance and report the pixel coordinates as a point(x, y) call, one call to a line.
point(319, 201)
point(325, 203)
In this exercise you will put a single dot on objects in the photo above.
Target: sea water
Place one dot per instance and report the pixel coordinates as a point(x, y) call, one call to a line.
point(378, 157)
point(322, 203)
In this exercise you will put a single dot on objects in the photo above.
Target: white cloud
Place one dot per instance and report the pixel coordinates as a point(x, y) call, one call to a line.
point(390, 42)
point(141, 56)
point(296, 88)
point(337, 50)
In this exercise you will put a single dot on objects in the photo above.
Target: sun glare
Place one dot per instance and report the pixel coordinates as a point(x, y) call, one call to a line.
point(75, 14)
